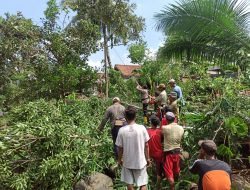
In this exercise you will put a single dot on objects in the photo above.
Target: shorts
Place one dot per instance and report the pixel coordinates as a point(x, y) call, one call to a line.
point(172, 165)
point(135, 176)
point(158, 164)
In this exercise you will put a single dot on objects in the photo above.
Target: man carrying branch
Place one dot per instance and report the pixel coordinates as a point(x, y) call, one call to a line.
point(145, 100)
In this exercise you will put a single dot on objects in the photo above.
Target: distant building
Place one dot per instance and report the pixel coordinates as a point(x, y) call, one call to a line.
point(214, 71)
point(128, 71)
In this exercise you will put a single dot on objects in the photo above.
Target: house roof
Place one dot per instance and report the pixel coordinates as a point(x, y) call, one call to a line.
point(215, 68)
point(127, 70)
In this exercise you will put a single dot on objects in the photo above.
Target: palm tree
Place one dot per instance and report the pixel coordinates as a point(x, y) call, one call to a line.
point(206, 29)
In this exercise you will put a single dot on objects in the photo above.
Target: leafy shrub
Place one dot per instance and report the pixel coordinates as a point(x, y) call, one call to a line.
point(51, 145)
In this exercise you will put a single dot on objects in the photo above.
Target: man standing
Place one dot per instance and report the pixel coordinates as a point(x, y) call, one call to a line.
point(145, 100)
point(173, 104)
point(177, 89)
point(161, 100)
point(172, 134)
point(155, 147)
point(133, 154)
point(116, 115)
point(213, 173)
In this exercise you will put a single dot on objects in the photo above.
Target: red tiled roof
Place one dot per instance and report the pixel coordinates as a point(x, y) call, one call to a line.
point(127, 70)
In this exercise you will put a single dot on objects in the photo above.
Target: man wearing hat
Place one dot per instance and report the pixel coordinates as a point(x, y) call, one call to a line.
point(116, 115)
point(213, 173)
point(172, 135)
point(173, 103)
point(161, 99)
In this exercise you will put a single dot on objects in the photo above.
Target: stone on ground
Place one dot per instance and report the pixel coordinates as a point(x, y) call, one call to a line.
point(96, 181)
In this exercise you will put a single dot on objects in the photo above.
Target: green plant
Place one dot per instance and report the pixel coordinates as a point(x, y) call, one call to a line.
point(51, 145)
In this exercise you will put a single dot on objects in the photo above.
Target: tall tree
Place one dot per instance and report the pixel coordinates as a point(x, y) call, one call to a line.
point(44, 61)
point(116, 20)
point(206, 29)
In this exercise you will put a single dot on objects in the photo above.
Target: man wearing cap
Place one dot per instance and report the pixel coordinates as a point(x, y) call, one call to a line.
point(116, 115)
point(172, 135)
point(173, 103)
point(214, 174)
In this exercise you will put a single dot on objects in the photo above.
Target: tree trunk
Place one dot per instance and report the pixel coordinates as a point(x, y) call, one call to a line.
point(105, 50)
point(108, 58)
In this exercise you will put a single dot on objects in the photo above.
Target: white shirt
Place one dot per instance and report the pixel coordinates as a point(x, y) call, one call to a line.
point(132, 139)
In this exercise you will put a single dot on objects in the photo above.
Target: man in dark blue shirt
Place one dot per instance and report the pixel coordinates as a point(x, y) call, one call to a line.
point(214, 174)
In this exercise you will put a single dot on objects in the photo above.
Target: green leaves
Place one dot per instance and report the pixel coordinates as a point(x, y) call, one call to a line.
point(225, 151)
point(205, 29)
point(137, 53)
point(237, 126)
point(51, 145)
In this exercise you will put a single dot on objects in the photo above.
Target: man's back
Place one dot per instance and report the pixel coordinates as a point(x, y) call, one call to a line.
point(178, 90)
point(155, 144)
point(162, 98)
point(172, 134)
point(132, 139)
point(214, 174)
point(114, 112)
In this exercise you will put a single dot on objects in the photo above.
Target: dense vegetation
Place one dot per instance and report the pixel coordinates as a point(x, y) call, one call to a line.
point(48, 137)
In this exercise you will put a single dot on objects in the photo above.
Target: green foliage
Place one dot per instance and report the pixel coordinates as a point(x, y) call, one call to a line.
point(51, 145)
point(224, 151)
point(237, 126)
point(45, 61)
point(206, 30)
point(216, 110)
point(117, 16)
point(137, 53)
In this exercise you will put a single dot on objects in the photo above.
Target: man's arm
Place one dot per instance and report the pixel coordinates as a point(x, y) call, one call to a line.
point(104, 120)
point(158, 98)
point(147, 154)
point(120, 154)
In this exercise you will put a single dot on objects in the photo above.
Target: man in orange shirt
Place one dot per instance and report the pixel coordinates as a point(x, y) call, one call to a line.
point(214, 174)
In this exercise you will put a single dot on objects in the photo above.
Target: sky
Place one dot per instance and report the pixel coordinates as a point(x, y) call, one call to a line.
point(119, 55)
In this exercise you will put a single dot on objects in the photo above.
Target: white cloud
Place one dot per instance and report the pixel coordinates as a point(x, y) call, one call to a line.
point(151, 53)
point(93, 63)
point(125, 59)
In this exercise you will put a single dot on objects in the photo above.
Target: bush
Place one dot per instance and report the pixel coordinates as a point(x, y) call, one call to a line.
point(51, 145)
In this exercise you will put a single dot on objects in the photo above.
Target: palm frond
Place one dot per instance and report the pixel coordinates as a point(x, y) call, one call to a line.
point(209, 28)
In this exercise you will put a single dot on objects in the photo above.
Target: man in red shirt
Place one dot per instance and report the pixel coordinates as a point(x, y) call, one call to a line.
point(155, 146)
point(164, 120)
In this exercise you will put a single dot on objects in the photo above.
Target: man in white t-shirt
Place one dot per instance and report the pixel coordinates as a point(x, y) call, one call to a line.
point(133, 153)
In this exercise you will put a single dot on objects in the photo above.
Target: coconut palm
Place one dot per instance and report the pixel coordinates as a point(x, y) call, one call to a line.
point(210, 29)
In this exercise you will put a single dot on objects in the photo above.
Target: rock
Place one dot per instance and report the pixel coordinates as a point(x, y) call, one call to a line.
point(96, 181)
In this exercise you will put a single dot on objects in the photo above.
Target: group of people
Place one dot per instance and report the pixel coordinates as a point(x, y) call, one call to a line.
point(162, 101)
point(136, 146)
